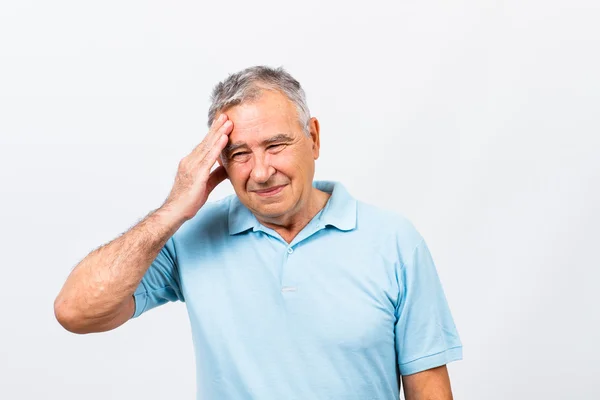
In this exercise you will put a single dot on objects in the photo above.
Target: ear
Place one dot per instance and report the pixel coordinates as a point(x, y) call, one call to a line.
point(314, 130)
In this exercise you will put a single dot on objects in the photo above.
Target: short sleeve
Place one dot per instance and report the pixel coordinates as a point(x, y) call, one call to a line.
point(426, 336)
point(160, 283)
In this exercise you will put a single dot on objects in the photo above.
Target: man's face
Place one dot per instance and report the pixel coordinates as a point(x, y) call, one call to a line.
point(269, 159)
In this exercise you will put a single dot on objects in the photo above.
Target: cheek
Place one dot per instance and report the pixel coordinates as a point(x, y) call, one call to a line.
point(238, 172)
point(286, 164)
point(300, 161)
point(292, 160)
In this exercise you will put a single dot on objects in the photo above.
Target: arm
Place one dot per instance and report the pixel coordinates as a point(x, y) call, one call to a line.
point(98, 294)
point(425, 333)
point(431, 384)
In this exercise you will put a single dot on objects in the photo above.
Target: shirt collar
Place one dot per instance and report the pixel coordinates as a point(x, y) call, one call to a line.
point(340, 210)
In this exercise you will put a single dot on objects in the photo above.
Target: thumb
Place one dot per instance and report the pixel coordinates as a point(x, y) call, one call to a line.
point(215, 177)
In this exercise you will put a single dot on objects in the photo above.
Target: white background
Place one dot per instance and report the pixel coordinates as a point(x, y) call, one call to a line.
point(478, 120)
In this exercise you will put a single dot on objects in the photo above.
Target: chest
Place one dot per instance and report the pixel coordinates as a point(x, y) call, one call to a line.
point(267, 294)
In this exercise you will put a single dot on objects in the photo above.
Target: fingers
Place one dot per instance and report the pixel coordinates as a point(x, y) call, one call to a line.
point(218, 121)
point(213, 133)
point(222, 126)
point(222, 122)
point(207, 152)
point(212, 151)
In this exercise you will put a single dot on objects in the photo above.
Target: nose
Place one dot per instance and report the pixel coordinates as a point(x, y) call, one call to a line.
point(262, 169)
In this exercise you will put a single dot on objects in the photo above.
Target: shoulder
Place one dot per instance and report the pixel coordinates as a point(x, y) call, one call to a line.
point(385, 222)
point(392, 228)
point(211, 221)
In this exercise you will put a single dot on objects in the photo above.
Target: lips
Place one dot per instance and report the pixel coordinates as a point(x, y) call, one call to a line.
point(270, 191)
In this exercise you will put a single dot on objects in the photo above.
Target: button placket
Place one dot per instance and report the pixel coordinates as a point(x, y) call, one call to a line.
point(287, 284)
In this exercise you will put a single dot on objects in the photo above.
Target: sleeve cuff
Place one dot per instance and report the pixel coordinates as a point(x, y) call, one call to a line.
point(141, 299)
point(432, 361)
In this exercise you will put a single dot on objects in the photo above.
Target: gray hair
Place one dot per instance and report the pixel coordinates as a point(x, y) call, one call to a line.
point(248, 84)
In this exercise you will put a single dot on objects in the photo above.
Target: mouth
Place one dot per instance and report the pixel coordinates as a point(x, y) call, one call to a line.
point(272, 191)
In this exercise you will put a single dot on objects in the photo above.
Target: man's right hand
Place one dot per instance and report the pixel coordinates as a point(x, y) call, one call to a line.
point(98, 294)
point(194, 180)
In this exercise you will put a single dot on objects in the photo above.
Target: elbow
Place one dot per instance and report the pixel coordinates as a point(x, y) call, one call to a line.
point(94, 319)
point(68, 317)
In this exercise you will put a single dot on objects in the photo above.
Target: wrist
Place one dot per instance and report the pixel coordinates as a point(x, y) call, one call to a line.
point(169, 217)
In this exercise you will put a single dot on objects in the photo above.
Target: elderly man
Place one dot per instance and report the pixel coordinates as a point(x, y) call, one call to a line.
point(295, 290)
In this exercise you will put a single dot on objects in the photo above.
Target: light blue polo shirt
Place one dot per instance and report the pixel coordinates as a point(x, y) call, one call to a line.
point(335, 314)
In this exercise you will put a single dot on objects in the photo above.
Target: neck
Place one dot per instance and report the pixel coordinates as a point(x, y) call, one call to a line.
point(289, 226)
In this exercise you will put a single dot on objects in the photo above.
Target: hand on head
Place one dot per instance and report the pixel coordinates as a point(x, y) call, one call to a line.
point(194, 180)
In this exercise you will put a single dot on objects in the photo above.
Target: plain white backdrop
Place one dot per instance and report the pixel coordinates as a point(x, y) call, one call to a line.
point(478, 120)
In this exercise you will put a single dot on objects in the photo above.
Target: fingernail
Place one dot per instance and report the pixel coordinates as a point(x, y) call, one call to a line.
point(221, 117)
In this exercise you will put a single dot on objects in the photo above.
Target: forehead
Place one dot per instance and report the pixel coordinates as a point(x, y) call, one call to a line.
point(271, 114)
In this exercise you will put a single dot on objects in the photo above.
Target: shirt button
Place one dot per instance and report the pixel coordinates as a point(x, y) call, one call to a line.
point(290, 250)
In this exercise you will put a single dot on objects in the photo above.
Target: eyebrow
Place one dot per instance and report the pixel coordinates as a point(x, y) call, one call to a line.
point(282, 137)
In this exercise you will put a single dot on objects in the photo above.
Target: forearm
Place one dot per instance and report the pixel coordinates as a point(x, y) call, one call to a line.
point(432, 384)
point(104, 280)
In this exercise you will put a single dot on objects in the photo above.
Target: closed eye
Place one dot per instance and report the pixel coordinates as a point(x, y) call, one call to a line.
point(273, 147)
point(241, 153)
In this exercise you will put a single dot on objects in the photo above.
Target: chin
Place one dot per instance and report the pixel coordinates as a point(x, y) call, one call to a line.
point(271, 211)
point(274, 209)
